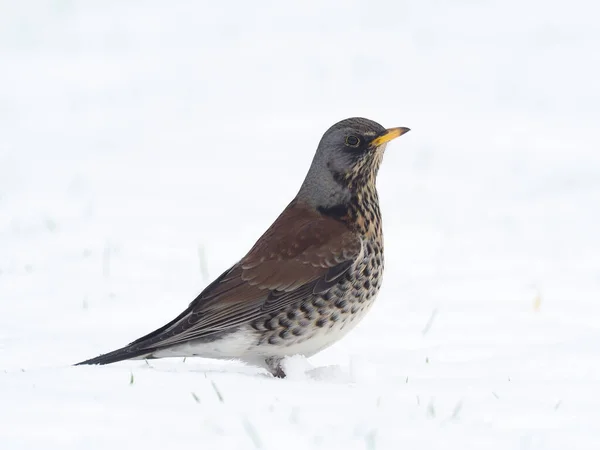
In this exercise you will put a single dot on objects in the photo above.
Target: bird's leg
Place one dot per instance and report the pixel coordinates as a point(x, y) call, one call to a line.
point(274, 366)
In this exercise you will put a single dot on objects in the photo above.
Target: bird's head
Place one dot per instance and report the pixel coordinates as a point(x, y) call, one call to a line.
point(346, 161)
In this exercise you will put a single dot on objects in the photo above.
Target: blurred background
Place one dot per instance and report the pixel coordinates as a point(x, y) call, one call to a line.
point(144, 146)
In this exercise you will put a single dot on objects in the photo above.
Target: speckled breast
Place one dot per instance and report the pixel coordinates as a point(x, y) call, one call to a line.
point(309, 326)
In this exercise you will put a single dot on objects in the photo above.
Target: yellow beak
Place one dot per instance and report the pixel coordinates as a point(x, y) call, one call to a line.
point(390, 133)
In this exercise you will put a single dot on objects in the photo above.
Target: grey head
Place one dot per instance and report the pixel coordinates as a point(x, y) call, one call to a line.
point(346, 161)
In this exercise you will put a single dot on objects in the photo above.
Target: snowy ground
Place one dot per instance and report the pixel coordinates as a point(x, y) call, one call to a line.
point(144, 146)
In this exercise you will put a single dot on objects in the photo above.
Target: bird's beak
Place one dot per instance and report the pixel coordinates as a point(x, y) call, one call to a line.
point(388, 135)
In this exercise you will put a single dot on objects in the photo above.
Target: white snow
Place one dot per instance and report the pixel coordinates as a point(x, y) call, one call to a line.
point(144, 146)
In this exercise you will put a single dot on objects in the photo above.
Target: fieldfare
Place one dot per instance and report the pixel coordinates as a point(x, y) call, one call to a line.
point(309, 279)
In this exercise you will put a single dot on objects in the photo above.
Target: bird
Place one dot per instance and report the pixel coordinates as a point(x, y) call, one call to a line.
point(307, 281)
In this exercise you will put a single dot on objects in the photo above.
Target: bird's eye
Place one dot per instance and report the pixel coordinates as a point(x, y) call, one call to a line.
point(352, 141)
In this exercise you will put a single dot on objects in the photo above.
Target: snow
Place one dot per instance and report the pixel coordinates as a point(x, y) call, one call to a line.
point(144, 146)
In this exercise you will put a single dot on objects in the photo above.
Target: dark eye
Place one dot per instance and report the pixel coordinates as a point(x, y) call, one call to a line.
point(352, 141)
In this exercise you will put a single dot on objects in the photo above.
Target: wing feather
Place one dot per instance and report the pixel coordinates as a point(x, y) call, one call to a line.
point(301, 254)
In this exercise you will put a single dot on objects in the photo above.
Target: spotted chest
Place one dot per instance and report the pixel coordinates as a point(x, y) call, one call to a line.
point(361, 214)
point(318, 321)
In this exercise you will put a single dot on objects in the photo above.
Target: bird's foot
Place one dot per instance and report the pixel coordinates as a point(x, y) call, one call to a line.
point(274, 366)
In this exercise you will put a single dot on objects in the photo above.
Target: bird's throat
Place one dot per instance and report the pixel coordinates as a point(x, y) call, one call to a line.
point(361, 213)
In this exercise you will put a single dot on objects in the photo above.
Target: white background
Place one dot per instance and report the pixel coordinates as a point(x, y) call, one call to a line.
point(144, 146)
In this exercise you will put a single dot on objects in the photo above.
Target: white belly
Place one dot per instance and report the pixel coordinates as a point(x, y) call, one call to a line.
point(244, 343)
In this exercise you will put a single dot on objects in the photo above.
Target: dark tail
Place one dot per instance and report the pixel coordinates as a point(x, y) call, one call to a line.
point(119, 355)
point(138, 349)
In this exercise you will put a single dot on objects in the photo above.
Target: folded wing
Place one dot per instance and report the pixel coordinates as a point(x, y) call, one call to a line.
point(302, 253)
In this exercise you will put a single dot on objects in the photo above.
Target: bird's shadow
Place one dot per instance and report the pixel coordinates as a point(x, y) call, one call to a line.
point(218, 368)
point(295, 371)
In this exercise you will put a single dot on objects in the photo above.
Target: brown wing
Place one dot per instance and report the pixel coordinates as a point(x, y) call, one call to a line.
point(303, 252)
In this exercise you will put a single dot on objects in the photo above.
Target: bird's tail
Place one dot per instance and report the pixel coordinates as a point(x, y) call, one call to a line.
point(140, 348)
point(121, 354)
